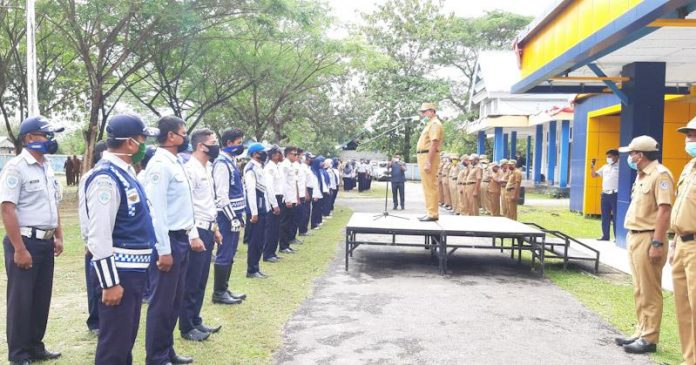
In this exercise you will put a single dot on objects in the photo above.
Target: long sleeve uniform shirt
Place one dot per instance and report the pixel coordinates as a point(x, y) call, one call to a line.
point(274, 182)
point(201, 179)
point(288, 175)
point(222, 181)
point(254, 179)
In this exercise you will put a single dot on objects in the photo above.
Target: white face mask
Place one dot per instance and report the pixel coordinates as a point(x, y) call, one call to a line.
point(610, 160)
point(397, 159)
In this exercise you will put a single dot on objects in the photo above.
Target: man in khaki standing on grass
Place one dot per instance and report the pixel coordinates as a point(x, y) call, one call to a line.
point(682, 253)
point(427, 150)
point(647, 220)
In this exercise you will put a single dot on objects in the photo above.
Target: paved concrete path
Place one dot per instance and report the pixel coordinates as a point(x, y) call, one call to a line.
point(393, 308)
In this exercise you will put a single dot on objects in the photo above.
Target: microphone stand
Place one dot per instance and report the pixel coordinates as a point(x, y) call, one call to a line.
point(386, 213)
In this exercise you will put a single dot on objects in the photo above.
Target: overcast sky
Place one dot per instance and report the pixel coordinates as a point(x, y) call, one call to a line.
point(347, 11)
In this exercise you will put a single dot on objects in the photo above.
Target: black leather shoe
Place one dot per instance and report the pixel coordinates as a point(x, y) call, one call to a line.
point(602, 239)
point(203, 328)
point(178, 359)
point(240, 296)
point(193, 335)
point(224, 298)
point(623, 341)
point(394, 208)
point(296, 242)
point(640, 346)
point(427, 219)
point(272, 259)
point(402, 207)
point(44, 355)
point(287, 250)
point(22, 362)
point(256, 275)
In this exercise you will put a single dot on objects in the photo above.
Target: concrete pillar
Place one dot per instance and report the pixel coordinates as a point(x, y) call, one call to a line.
point(565, 153)
point(643, 115)
point(506, 146)
point(481, 145)
point(529, 157)
point(513, 144)
point(538, 143)
point(551, 170)
point(498, 149)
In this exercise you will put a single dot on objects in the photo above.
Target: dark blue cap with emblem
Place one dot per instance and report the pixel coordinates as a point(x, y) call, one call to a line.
point(129, 125)
point(38, 124)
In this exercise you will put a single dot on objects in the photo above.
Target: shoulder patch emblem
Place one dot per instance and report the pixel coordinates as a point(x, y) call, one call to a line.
point(12, 181)
point(155, 177)
point(104, 197)
point(664, 185)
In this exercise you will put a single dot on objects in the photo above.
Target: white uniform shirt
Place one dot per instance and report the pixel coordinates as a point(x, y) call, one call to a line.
point(301, 179)
point(610, 177)
point(33, 189)
point(253, 179)
point(289, 181)
point(200, 176)
point(274, 182)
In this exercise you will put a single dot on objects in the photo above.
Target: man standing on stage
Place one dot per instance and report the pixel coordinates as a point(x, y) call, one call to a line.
point(428, 150)
point(610, 187)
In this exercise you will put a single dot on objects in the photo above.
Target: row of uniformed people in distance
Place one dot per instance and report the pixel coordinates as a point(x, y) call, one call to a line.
point(472, 183)
point(157, 230)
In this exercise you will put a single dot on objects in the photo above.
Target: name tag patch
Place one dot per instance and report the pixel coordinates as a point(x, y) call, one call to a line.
point(132, 196)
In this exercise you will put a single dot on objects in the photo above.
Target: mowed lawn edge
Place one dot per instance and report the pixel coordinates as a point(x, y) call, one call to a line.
point(251, 331)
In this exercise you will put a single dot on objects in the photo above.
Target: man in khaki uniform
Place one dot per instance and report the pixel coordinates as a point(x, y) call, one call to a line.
point(440, 190)
point(647, 220)
point(461, 186)
point(682, 253)
point(427, 151)
point(485, 180)
point(512, 189)
point(473, 185)
point(454, 171)
point(494, 189)
point(445, 182)
point(504, 176)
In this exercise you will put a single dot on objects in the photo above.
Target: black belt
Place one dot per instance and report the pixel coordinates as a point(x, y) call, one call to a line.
point(510, 189)
point(688, 237)
point(643, 231)
point(422, 151)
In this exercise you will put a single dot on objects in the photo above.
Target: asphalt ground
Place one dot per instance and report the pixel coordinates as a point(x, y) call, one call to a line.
point(392, 307)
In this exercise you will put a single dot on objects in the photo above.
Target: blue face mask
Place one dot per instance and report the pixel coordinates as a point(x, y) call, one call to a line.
point(45, 147)
point(690, 148)
point(235, 150)
point(631, 164)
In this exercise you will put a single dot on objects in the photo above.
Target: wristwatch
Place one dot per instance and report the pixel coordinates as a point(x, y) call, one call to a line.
point(656, 243)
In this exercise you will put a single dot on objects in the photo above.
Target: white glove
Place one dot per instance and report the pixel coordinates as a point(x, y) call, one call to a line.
point(236, 225)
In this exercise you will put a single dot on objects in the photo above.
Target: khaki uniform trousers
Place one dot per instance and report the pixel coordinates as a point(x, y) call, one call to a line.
point(485, 201)
point(647, 286)
point(473, 200)
point(684, 279)
point(494, 201)
point(464, 201)
point(503, 201)
point(454, 195)
point(446, 191)
point(511, 205)
point(440, 192)
point(429, 182)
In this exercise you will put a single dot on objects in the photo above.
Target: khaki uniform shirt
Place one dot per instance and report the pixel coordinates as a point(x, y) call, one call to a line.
point(514, 180)
point(494, 185)
point(486, 176)
point(683, 220)
point(653, 187)
point(445, 171)
point(453, 173)
point(433, 131)
point(475, 174)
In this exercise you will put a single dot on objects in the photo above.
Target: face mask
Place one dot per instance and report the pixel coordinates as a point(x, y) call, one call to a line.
point(425, 120)
point(690, 148)
point(213, 152)
point(610, 160)
point(138, 156)
point(631, 164)
point(397, 159)
point(263, 156)
point(184, 145)
point(45, 147)
point(235, 150)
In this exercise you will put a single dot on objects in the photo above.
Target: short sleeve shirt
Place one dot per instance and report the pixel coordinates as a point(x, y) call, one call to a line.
point(653, 187)
point(432, 132)
point(34, 190)
point(475, 173)
point(683, 220)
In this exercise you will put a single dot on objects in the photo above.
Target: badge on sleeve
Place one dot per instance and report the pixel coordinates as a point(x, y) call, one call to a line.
point(155, 177)
point(12, 182)
point(664, 184)
point(133, 196)
point(104, 197)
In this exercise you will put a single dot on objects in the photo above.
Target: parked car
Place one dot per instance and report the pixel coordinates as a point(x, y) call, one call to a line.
point(380, 170)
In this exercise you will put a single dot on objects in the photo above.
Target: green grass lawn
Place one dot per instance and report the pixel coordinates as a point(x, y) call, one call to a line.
point(609, 295)
point(537, 196)
point(377, 191)
point(251, 331)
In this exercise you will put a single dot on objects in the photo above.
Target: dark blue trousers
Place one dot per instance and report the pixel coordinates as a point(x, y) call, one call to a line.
point(119, 323)
point(298, 218)
point(326, 204)
point(257, 233)
point(608, 214)
point(306, 213)
point(317, 208)
point(271, 235)
point(286, 225)
point(398, 193)
point(334, 195)
point(165, 303)
point(230, 240)
point(196, 281)
point(28, 298)
point(93, 293)
point(362, 181)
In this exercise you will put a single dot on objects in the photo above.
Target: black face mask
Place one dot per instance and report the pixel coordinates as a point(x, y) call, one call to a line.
point(263, 156)
point(213, 152)
point(184, 145)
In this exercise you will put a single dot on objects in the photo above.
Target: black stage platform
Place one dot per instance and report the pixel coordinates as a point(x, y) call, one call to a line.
point(392, 231)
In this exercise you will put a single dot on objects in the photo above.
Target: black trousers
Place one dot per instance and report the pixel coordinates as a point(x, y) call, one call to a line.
point(317, 207)
point(307, 212)
point(256, 238)
point(28, 298)
point(119, 323)
point(608, 206)
point(286, 225)
point(196, 281)
point(362, 181)
point(165, 303)
point(297, 219)
point(398, 193)
point(271, 235)
point(93, 293)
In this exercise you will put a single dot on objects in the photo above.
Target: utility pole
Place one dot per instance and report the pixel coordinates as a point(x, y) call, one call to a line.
point(32, 85)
